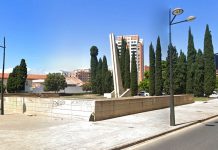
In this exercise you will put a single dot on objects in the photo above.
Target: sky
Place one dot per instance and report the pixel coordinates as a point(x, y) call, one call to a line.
point(54, 35)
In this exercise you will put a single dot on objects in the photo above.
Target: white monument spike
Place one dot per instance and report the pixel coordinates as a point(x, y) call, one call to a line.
point(118, 87)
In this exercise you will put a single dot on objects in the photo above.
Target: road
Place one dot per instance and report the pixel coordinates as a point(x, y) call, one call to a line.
point(203, 136)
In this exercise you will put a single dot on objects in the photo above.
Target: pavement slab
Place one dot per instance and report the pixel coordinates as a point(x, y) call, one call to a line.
point(21, 132)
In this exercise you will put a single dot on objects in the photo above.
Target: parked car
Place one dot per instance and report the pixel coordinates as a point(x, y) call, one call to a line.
point(214, 95)
point(143, 93)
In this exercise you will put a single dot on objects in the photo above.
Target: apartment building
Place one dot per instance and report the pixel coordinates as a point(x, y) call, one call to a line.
point(83, 74)
point(135, 45)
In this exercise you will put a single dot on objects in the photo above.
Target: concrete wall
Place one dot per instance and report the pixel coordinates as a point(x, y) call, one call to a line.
point(54, 107)
point(105, 109)
point(86, 109)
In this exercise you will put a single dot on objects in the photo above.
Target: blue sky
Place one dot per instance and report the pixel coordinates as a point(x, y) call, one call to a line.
point(53, 35)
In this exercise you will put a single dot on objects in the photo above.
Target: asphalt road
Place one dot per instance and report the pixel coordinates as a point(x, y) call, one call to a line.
point(203, 136)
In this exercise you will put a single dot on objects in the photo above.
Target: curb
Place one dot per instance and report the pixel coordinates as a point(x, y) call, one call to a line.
point(161, 134)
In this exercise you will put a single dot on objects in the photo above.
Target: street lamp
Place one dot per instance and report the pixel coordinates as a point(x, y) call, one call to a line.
point(2, 88)
point(175, 12)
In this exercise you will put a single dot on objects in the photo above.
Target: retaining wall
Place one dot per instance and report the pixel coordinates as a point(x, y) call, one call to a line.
point(54, 107)
point(106, 109)
point(94, 110)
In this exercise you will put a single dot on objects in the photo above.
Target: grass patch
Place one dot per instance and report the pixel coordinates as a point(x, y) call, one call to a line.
point(201, 98)
point(85, 96)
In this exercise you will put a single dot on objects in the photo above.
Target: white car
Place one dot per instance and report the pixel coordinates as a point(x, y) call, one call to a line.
point(143, 93)
point(214, 95)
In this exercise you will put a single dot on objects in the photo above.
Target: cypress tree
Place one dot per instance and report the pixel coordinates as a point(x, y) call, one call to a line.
point(99, 77)
point(11, 83)
point(108, 82)
point(134, 76)
point(104, 72)
point(158, 70)
point(164, 71)
point(17, 79)
point(122, 61)
point(180, 79)
point(190, 63)
point(14, 83)
point(174, 62)
point(199, 75)
point(127, 70)
point(23, 74)
point(152, 70)
point(93, 66)
point(210, 71)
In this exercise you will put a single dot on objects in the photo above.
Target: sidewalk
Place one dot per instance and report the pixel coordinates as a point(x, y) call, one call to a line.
point(107, 134)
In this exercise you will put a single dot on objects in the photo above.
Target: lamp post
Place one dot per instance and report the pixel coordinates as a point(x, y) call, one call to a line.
point(175, 12)
point(2, 83)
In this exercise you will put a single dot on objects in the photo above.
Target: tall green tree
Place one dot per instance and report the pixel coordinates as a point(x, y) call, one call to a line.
point(17, 79)
point(216, 87)
point(199, 75)
point(55, 82)
point(11, 82)
point(180, 74)
point(158, 70)
point(134, 76)
point(164, 71)
point(108, 82)
point(4, 87)
point(190, 63)
point(104, 72)
point(87, 87)
point(210, 71)
point(144, 84)
point(174, 64)
point(99, 78)
point(23, 74)
point(127, 70)
point(93, 66)
point(152, 70)
point(122, 60)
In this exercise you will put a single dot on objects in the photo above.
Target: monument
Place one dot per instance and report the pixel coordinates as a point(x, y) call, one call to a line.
point(118, 87)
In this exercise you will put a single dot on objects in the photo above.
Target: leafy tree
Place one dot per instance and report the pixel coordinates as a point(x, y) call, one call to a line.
point(99, 78)
point(190, 63)
point(210, 71)
point(158, 70)
point(55, 82)
point(94, 64)
point(127, 70)
point(122, 60)
point(199, 75)
point(144, 84)
point(180, 74)
point(134, 76)
point(87, 87)
point(152, 70)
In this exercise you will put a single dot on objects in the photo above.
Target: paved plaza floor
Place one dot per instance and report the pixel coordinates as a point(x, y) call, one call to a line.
point(22, 132)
